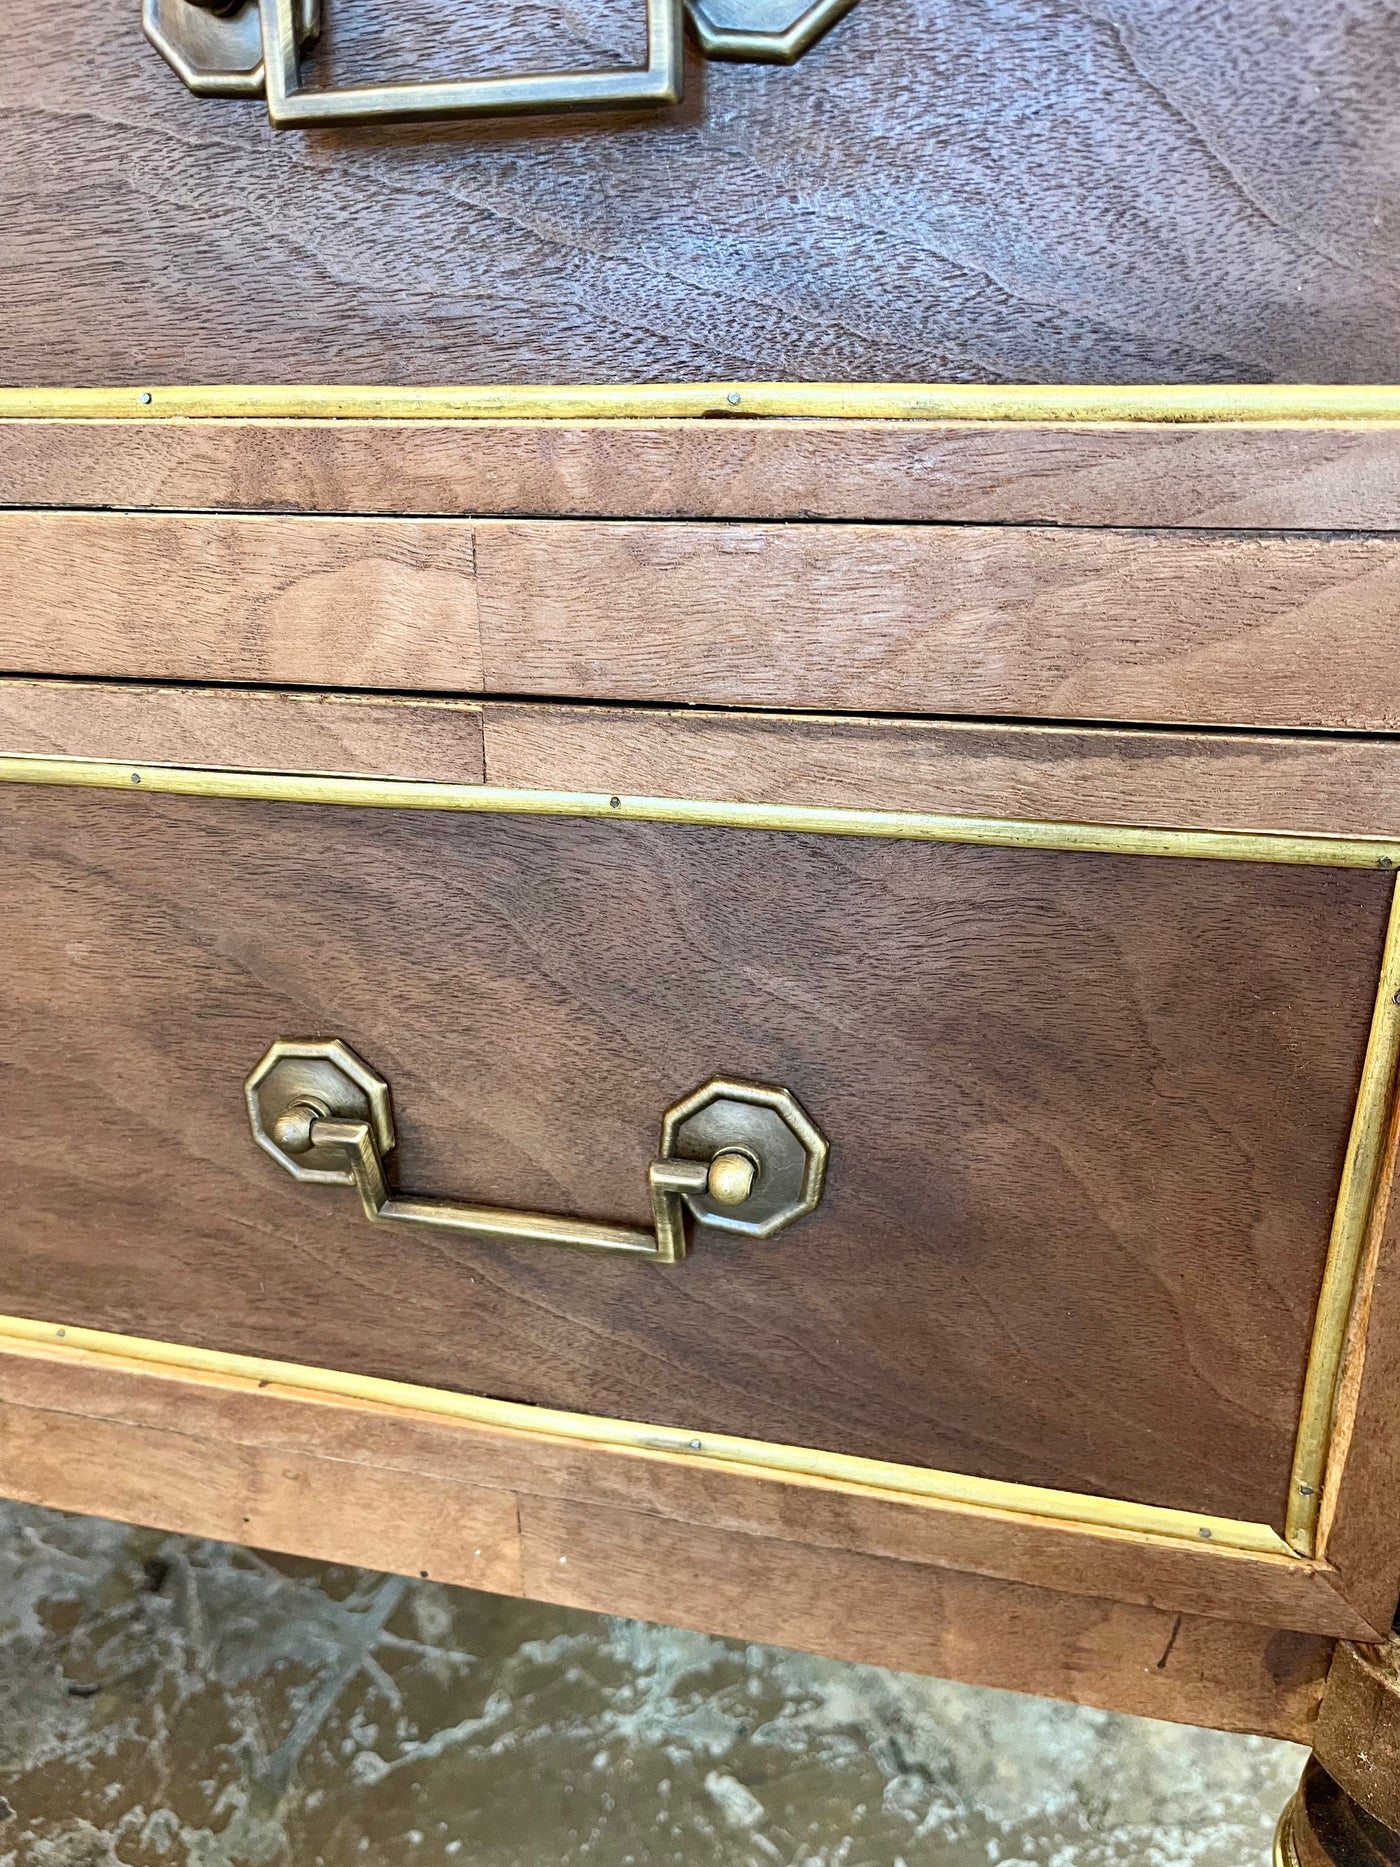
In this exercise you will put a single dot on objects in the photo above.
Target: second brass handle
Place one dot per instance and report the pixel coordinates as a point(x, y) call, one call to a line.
point(741, 1157)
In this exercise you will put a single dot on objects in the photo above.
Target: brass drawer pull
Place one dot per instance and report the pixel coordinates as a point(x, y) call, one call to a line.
point(251, 48)
point(290, 107)
point(741, 1157)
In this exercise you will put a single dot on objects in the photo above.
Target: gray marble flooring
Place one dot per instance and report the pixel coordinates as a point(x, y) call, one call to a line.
point(166, 1702)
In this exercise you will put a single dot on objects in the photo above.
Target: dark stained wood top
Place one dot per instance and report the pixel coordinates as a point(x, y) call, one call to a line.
point(1028, 191)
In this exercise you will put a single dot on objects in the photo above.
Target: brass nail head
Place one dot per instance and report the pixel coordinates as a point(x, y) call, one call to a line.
point(732, 1177)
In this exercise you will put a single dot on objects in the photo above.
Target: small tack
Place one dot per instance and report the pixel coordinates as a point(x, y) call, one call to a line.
point(733, 398)
point(145, 395)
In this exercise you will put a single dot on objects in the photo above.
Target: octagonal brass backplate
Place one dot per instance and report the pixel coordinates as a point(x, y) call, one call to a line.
point(777, 1134)
point(217, 50)
point(326, 1075)
point(762, 32)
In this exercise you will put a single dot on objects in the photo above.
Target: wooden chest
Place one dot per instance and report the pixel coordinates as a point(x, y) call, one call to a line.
point(889, 858)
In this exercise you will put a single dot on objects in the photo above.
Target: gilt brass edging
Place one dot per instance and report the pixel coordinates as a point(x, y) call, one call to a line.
point(912, 1483)
point(1268, 405)
point(1329, 852)
point(1346, 1248)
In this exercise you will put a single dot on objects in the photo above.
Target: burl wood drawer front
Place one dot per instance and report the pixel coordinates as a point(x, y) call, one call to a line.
point(1087, 1113)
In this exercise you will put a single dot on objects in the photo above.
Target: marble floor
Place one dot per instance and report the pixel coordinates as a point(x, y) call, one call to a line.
point(166, 1702)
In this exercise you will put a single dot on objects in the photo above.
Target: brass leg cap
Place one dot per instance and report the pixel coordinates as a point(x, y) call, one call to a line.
point(1323, 1827)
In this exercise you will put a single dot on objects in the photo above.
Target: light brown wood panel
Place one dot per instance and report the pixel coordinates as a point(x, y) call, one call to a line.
point(920, 1620)
point(248, 1424)
point(301, 1503)
point(243, 730)
point(1334, 785)
point(165, 1451)
point(321, 602)
point(1087, 1113)
point(1191, 200)
point(1196, 628)
point(1190, 627)
point(1141, 474)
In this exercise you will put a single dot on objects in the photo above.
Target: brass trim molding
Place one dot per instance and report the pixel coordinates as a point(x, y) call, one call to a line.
point(1327, 852)
point(1267, 405)
point(1346, 1248)
point(1351, 1219)
point(915, 1482)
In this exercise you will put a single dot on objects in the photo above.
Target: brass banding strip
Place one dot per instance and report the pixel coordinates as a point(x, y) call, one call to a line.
point(1269, 405)
point(1355, 1200)
point(1330, 852)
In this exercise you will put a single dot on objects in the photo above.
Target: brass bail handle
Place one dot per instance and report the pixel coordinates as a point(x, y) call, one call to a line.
point(739, 1157)
point(252, 48)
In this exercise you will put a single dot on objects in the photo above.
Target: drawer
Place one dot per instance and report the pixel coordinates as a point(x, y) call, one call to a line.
point(1104, 1109)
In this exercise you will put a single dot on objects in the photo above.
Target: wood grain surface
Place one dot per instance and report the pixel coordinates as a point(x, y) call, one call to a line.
point(1358, 1528)
point(330, 603)
point(369, 1487)
point(1336, 785)
point(963, 189)
point(1087, 1116)
point(1190, 627)
point(297, 1501)
point(248, 729)
point(1141, 474)
point(889, 1614)
point(1187, 627)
